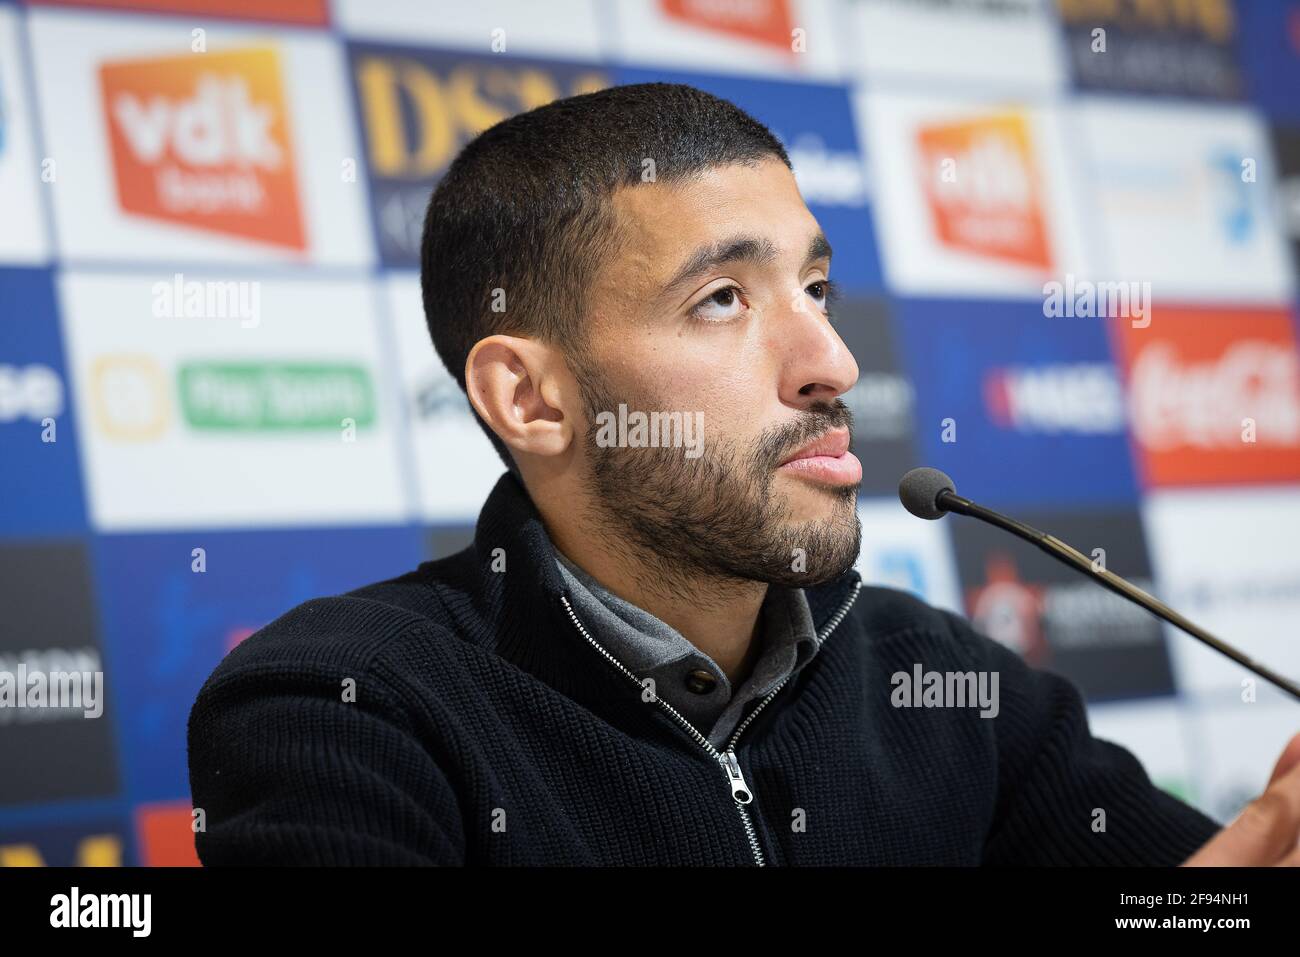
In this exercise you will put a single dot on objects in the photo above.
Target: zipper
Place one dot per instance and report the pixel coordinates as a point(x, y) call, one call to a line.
point(741, 793)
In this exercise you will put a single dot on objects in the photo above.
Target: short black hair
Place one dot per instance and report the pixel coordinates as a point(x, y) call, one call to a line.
point(519, 225)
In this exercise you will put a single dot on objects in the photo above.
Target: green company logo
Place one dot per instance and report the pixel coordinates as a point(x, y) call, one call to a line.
point(256, 397)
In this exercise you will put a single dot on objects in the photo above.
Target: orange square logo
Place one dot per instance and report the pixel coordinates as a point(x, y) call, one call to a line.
point(983, 189)
point(312, 12)
point(166, 834)
point(761, 21)
point(1214, 395)
point(203, 140)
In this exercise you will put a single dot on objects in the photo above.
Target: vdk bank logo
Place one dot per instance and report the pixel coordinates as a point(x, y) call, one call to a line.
point(983, 189)
point(203, 141)
point(766, 22)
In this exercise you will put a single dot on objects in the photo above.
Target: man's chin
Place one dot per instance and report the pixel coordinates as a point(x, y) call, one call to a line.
point(809, 571)
point(822, 545)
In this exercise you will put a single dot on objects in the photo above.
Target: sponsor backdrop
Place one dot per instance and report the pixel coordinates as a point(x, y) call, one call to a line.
point(1068, 230)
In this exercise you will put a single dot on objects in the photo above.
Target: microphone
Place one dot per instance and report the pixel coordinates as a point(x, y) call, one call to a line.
point(928, 493)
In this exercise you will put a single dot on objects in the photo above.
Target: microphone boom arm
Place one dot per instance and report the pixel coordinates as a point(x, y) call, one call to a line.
point(950, 501)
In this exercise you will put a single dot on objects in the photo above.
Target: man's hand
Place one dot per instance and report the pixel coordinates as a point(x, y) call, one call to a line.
point(1267, 832)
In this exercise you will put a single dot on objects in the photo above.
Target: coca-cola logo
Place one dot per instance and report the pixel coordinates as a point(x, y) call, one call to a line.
point(1206, 404)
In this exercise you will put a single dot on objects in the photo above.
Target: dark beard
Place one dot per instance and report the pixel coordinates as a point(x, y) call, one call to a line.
point(715, 516)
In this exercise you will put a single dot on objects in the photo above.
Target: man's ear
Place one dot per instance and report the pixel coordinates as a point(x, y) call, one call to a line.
point(519, 388)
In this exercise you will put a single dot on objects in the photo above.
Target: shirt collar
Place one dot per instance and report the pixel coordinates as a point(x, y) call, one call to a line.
point(652, 649)
point(512, 584)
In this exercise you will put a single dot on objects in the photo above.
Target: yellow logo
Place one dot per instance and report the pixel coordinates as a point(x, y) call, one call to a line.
point(129, 396)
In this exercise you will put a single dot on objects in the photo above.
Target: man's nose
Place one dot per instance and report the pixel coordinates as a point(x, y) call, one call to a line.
point(818, 366)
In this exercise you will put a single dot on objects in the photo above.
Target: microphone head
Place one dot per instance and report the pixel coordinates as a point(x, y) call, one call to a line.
point(919, 489)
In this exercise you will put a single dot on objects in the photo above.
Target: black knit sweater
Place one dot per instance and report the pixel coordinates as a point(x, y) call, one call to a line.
point(461, 714)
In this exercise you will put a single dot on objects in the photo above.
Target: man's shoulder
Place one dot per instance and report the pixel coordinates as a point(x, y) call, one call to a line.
point(890, 622)
point(881, 612)
point(352, 629)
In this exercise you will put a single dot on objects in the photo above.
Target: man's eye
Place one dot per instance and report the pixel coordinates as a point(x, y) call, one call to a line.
point(824, 293)
point(719, 306)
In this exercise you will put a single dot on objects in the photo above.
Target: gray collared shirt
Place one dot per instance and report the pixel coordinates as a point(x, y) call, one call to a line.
point(684, 676)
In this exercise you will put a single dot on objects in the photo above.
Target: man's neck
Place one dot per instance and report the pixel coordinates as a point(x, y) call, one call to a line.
point(719, 617)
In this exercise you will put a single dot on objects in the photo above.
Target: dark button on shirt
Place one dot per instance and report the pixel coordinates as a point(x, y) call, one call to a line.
point(682, 675)
point(701, 681)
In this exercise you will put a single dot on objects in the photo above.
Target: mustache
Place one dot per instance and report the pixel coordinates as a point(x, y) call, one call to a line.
point(778, 443)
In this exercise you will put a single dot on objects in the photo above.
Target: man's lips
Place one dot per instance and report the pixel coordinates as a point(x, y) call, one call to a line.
point(826, 459)
point(833, 443)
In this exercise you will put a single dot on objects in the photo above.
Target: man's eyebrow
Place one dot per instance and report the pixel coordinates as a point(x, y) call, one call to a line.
point(819, 248)
point(707, 258)
point(750, 249)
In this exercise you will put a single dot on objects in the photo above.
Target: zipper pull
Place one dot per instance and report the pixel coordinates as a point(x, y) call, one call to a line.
point(739, 789)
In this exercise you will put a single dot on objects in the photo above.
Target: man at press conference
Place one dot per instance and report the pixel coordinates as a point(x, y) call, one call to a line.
point(656, 650)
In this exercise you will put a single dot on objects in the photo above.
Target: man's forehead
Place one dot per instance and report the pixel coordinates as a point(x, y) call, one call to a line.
point(667, 206)
point(663, 225)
